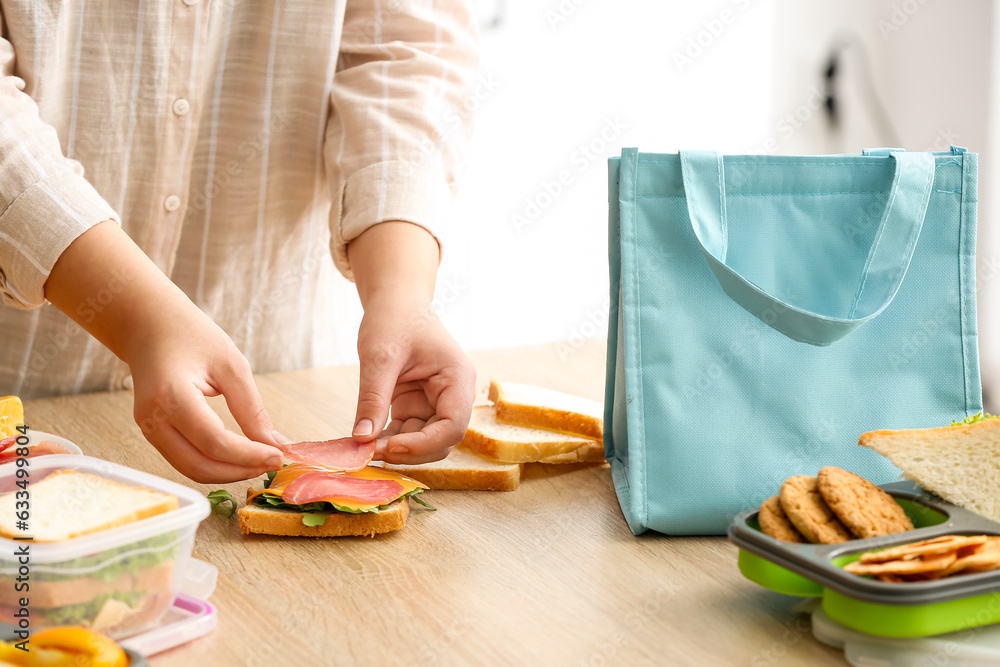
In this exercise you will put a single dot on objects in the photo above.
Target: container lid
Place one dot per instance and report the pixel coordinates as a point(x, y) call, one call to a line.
point(188, 619)
point(192, 508)
point(971, 648)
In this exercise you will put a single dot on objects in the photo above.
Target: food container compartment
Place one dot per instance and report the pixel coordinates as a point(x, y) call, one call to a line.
point(909, 609)
point(119, 581)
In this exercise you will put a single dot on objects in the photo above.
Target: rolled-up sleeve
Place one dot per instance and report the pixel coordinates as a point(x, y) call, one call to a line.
point(45, 201)
point(401, 106)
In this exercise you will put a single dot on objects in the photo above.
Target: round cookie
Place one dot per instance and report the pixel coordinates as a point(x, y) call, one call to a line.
point(773, 522)
point(809, 513)
point(865, 509)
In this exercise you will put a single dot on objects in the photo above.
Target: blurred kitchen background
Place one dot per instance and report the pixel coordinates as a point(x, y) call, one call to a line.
point(567, 83)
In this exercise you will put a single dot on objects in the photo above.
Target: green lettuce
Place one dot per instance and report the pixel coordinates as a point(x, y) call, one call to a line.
point(975, 419)
point(220, 496)
point(154, 550)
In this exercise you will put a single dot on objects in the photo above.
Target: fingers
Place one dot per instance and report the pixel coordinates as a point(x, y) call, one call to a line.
point(192, 463)
point(236, 383)
point(379, 372)
point(197, 423)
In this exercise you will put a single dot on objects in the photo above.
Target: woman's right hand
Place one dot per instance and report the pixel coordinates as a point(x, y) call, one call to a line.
point(177, 356)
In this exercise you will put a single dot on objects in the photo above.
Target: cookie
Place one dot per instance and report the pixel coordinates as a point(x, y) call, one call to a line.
point(865, 509)
point(809, 513)
point(773, 522)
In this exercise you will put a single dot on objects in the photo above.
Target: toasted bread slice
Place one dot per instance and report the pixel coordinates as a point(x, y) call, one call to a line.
point(518, 444)
point(68, 503)
point(279, 521)
point(464, 470)
point(959, 463)
point(536, 407)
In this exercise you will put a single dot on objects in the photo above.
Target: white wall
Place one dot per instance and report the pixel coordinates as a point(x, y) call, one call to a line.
point(577, 80)
point(934, 64)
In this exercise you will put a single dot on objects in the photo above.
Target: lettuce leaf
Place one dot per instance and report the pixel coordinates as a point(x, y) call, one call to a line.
point(314, 518)
point(220, 496)
point(975, 419)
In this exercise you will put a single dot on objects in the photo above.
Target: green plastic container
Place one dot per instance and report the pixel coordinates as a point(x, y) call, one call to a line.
point(914, 609)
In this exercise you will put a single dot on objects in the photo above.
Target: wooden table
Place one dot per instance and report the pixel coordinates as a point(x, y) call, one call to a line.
point(545, 575)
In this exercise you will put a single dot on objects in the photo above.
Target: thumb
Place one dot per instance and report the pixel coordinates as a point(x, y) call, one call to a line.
point(246, 406)
point(378, 378)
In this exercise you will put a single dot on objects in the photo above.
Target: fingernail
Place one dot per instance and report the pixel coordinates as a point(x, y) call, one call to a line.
point(364, 427)
point(281, 439)
point(274, 462)
point(398, 449)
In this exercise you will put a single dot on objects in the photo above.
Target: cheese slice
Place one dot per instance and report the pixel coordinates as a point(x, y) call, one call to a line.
point(291, 472)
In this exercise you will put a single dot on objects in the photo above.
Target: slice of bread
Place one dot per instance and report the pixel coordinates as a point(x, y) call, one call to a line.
point(518, 444)
point(464, 470)
point(959, 463)
point(535, 407)
point(279, 521)
point(68, 504)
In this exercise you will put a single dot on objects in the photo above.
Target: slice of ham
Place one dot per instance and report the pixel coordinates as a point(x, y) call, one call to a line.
point(41, 449)
point(345, 454)
point(320, 485)
point(7, 443)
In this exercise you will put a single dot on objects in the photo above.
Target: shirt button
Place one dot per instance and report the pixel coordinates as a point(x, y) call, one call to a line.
point(181, 106)
point(172, 203)
point(127, 382)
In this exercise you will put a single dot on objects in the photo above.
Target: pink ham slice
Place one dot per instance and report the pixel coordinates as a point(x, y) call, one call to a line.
point(7, 443)
point(345, 454)
point(320, 485)
point(41, 449)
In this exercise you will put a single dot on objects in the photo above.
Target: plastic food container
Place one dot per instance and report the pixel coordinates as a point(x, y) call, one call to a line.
point(119, 581)
point(912, 609)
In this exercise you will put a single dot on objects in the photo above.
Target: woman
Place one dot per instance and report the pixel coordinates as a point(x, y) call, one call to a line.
point(235, 155)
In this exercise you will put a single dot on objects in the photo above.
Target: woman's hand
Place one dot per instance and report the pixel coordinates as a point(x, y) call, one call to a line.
point(409, 362)
point(176, 354)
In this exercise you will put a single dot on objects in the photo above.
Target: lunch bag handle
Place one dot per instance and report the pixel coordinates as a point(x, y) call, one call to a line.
point(892, 249)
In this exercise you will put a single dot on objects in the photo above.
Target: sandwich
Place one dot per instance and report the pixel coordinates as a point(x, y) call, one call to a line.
point(957, 462)
point(122, 587)
point(329, 490)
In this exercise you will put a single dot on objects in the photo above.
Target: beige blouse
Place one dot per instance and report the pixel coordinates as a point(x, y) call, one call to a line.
point(219, 133)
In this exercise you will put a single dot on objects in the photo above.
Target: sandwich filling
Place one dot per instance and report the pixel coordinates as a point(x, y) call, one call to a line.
point(316, 492)
point(343, 454)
